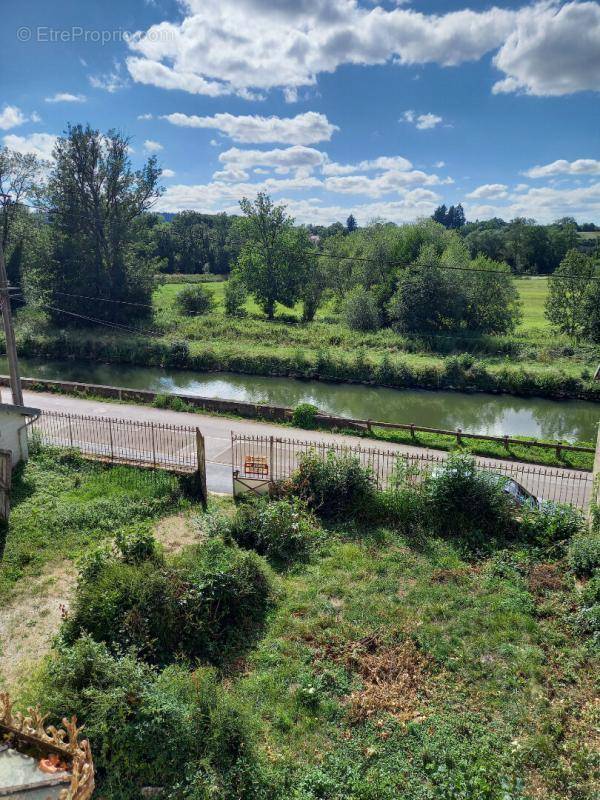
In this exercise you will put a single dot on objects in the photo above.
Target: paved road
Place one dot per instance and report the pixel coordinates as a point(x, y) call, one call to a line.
point(217, 434)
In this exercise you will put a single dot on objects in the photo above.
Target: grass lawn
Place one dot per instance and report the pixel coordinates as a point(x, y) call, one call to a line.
point(395, 668)
point(533, 292)
point(62, 504)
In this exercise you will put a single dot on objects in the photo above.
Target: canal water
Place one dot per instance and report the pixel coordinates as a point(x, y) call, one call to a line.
point(477, 413)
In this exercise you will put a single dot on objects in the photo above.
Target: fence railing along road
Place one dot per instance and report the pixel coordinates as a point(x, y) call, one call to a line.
point(260, 460)
point(142, 444)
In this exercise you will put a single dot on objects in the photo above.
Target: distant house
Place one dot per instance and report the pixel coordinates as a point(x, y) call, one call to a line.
point(13, 429)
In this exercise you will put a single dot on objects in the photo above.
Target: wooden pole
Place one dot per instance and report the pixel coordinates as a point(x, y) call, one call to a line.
point(201, 456)
point(11, 346)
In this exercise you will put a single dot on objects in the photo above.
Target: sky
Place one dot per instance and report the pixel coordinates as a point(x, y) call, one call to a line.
point(380, 108)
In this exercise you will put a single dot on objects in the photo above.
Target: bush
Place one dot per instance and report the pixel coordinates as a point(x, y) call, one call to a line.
point(205, 603)
point(584, 554)
point(337, 486)
point(136, 544)
point(587, 621)
point(235, 297)
point(360, 310)
point(467, 503)
point(552, 523)
point(304, 416)
point(146, 728)
point(591, 591)
point(194, 300)
point(281, 530)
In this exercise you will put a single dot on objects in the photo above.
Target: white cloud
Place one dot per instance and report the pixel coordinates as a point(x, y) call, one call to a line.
point(423, 122)
point(489, 191)
point(168, 173)
point(66, 97)
point(231, 46)
point(381, 163)
point(581, 166)
point(439, 164)
point(307, 128)
point(282, 160)
point(145, 116)
point(150, 146)
point(219, 196)
point(544, 203)
point(110, 81)
point(240, 46)
point(553, 50)
point(11, 117)
point(40, 144)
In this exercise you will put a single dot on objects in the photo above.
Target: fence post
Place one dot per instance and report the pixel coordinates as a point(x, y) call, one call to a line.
point(70, 432)
point(112, 447)
point(458, 436)
point(153, 444)
point(201, 458)
point(271, 459)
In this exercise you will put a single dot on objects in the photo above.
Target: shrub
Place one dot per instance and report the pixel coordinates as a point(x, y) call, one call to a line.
point(550, 524)
point(584, 554)
point(360, 310)
point(336, 486)
point(194, 300)
point(591, 591)
point(467, 503)
point(587, 621)
point(235, 297)
point(146, 728)
point(304, 416)
point(136, 544)
point(205, 603)
point(281, 530)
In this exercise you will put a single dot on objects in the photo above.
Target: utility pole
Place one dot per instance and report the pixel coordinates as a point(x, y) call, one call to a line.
point(9, 333)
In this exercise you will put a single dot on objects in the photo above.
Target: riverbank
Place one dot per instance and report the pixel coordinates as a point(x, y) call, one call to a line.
point(541, 453)
point(376, 367)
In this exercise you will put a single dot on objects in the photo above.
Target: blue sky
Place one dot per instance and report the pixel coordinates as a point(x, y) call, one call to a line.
point(383, 109)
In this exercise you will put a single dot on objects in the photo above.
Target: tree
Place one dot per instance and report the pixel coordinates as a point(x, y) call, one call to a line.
point(235, 296)
point(427, 298)
point(21, 180)
point(360, 310)
point(351, 224)
point(95, 200)
point(566, 306)
point(591, 310)
point(493, 304)
point(440, 214)
point(274, 255)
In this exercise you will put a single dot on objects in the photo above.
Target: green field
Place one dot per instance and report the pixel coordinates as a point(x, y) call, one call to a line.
point(533, 292)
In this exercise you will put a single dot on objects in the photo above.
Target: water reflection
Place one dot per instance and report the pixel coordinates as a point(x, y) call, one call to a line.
point(478, 413)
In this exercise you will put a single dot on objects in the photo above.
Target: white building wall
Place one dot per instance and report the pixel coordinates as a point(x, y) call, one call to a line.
point(13, 433)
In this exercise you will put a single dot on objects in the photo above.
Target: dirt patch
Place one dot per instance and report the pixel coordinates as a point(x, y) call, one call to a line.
point(394, 680)
point(176, 532)
point(545, 578)
point(30, 621)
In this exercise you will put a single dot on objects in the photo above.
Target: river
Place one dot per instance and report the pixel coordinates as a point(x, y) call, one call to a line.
point(477, 413)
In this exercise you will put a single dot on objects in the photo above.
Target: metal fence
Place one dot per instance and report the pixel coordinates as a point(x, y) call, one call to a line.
point(120, 441)
point(262, 458)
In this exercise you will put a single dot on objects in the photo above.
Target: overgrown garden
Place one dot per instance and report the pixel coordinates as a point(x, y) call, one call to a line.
point(340, 642)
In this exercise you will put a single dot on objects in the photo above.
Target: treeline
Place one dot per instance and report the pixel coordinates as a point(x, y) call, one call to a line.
point(92, 251)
